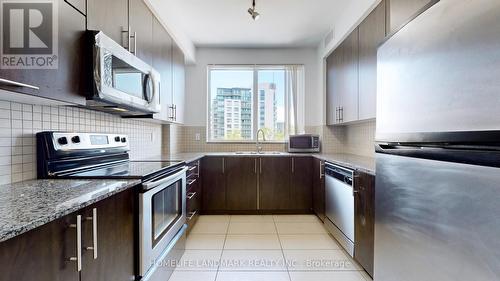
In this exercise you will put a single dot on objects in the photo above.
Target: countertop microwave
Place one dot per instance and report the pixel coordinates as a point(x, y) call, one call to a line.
point(304, 143)
point(118, 81)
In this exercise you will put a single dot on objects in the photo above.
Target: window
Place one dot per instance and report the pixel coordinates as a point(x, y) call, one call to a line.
point(244, 99)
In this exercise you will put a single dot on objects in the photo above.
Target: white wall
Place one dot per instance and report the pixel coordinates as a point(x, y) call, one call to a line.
point(196, 77)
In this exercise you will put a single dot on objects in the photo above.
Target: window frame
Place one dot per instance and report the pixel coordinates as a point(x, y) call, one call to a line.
point(255, 100)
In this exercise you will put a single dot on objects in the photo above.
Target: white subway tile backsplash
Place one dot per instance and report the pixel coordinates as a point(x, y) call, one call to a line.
point(16, 106)
point(5, 141)
point(4, 151)
point(5, 159)
point(4, 123)
point(20, 122)
point(4, 105)
point(17, 177)
point(5, 179)
point(16, 115)
point(4, 114)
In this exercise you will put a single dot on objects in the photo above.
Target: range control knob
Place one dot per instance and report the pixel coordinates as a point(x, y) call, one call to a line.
point(75, 139)
point(124, 140)
point(117, 139)
point(62, 141)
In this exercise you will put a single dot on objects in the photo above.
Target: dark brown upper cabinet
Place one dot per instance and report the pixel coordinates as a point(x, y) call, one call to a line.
point(214, 184)
point(400, 12)
point(318, 188)
point(301, 184)
point(274, 183)
point(163, 63)
point(342, 82)
point(64, 83)
point(333, 82)
point(178, 97)
point(110, 17)
point(351, 71)
point(364, 220)
point(371, 34)
point(241, 183)
point(349, 87)
point(141, 30)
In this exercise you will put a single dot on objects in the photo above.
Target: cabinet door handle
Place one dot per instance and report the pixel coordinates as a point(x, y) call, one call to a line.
point(255, 166)
point(175, 112)
point(190, 195)
point(321, 169)
point(94, 233)
point(223, 166)
point(135, 42)
point(191, 215)
point(336, 114)
point(192, 168)
point(293, 165)
point(78, 258)
point(191, 181)
point(260, 165)
point(17, 84)
point(341, 111)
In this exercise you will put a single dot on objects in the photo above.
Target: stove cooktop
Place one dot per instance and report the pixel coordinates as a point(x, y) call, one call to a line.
point(130, 170)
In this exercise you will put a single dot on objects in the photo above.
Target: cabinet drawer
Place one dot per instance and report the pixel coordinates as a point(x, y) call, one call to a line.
point(193, 201)
point(191, 220)
point(193, 169)
point(192, 184)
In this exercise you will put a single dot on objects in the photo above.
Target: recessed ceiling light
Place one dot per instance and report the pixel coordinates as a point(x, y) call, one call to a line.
point(253, 12)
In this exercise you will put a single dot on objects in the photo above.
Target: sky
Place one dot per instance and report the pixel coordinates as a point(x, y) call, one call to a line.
point(244, 79)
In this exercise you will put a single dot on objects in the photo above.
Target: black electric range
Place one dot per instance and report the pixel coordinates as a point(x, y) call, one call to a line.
point(94, 155)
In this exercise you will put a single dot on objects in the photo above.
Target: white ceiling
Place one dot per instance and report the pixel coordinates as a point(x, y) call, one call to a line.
point(283, 23)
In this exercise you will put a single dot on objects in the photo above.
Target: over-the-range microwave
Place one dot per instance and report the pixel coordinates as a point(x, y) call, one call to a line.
point(304, 143)
point(117, 81)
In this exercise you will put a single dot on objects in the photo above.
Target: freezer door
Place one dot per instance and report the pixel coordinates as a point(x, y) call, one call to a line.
point(440, 73)
point(436, 220)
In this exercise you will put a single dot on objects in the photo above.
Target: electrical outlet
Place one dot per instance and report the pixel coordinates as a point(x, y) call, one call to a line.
point(197, 136)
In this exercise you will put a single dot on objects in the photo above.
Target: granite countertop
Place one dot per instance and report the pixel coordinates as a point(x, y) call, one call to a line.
point(356, 162)
point(361, 163)
point(30, 204)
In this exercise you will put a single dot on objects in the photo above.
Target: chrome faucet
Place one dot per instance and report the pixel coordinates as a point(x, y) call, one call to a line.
point(257, 143)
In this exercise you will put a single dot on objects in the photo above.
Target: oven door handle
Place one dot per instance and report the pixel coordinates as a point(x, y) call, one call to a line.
point(153, 184)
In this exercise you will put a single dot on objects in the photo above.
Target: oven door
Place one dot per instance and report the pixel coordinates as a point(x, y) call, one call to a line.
point(162, 215)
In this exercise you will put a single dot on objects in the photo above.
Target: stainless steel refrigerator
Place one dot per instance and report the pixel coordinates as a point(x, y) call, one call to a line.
point(438, 146)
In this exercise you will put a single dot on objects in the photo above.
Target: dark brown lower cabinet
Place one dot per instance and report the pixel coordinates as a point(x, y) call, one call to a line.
point(115, 239)
point(41, 254)
point(44, 253)
point(301, 184)
point(318, 188)
point(364, 221)
point(241, 183)
point(193, 194)
point(214, 184)
point(274, 183)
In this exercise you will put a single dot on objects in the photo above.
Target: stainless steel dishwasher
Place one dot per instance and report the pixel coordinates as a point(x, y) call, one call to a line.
point(339, 205)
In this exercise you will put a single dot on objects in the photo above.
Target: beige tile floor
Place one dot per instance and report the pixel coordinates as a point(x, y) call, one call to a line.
point(264, 248)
